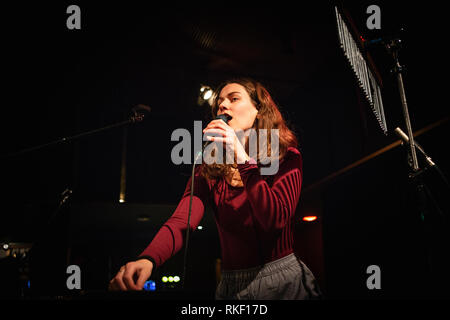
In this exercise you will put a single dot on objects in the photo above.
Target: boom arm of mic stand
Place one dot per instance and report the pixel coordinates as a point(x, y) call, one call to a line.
point(430, 162)
point(137, 116)
point(405, 140)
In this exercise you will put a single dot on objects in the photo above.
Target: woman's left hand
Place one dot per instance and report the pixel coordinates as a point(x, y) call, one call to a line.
point(225, 134)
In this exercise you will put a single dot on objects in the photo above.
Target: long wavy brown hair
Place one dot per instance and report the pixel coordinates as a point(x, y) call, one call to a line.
point(269, 117)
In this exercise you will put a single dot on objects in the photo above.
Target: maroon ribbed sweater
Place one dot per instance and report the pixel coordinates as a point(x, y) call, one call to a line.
point(255, 222)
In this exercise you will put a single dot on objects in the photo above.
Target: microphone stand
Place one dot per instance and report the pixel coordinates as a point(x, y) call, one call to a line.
point(39, 249)
point(416, 174)
point(393, 48)
point(136, 116)
point(225, 118)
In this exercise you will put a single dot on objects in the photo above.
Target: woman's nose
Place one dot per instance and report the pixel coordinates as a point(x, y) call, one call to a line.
point(223, 107)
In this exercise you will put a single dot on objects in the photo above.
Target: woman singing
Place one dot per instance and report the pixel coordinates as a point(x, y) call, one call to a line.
point(254, 213)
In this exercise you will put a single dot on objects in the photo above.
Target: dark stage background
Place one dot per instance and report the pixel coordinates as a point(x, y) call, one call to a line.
point(59, 82)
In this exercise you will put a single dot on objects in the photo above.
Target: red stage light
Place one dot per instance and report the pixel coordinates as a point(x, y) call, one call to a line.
point(309, 218)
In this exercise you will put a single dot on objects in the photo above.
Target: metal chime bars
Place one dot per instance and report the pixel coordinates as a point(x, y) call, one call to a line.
point(363, 73)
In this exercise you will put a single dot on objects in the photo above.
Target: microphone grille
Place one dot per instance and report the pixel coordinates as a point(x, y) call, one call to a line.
point(224, 117)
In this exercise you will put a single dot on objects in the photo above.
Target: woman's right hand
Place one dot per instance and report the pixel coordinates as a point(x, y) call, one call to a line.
point(132, 276)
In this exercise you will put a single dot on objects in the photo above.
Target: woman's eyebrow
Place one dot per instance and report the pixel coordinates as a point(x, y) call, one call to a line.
point(229, 94)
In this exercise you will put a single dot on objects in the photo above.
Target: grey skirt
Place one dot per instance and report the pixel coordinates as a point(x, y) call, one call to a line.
point(287, 278)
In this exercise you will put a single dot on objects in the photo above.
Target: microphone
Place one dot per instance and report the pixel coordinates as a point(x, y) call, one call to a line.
point(138, 112)
point(225, 118)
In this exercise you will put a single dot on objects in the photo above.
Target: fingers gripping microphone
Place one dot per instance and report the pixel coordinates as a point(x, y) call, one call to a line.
point(225, 118)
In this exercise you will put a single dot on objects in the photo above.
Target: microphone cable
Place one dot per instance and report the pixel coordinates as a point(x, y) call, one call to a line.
point(225, 118)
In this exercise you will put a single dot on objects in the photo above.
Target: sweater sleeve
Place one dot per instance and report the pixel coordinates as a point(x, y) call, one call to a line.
point(170, 238)
point(273, 206)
